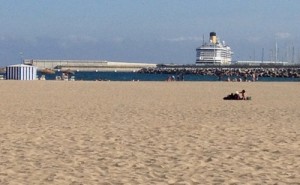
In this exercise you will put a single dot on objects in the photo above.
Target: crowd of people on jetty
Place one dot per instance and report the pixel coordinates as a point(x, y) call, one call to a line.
point(232, 74)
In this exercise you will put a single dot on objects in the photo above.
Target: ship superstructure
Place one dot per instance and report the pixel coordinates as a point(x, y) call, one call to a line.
point(214, 52)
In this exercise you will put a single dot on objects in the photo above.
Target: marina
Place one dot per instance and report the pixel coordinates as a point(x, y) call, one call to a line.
point(213, 63)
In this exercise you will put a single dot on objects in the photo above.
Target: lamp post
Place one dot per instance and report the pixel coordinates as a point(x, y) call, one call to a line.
point(21, 57)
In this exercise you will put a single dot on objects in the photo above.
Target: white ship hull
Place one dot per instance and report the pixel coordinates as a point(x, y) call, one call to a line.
point(214, 52)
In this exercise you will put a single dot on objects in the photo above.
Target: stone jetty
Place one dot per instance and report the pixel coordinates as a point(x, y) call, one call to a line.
point(238, 72)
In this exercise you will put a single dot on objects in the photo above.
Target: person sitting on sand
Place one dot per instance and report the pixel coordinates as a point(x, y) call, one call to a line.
point(243, 94)
point(233, 96)
point(236, 95)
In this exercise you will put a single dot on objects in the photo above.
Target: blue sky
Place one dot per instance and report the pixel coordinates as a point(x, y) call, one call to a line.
point(154, 31)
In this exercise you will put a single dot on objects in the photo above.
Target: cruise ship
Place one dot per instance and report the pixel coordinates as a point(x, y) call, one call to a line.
point(214, 52)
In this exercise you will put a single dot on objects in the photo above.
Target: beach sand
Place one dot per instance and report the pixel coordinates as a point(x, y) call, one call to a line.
point(56, 132)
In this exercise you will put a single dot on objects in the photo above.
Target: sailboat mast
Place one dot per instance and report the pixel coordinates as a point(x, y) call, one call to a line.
point(276, 52)
point(262, 55)
point(293, 55)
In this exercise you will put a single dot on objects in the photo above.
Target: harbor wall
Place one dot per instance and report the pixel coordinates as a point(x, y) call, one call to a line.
point(87, 65)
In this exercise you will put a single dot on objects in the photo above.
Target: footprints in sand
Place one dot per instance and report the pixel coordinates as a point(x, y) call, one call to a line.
point(149, 134)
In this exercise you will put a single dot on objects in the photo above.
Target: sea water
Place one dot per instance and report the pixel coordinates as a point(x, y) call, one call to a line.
point(133, 76)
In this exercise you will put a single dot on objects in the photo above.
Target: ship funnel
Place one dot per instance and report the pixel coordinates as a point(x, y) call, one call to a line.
point(213, 37)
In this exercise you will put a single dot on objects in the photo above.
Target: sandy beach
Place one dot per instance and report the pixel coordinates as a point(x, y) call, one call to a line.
point(57, 132)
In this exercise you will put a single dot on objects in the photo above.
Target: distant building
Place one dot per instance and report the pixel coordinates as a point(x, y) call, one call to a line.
point(21, 72)
point(86, 65)
point(253, 62)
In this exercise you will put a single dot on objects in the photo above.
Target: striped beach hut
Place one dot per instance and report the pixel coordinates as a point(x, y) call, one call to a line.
point(21, 72)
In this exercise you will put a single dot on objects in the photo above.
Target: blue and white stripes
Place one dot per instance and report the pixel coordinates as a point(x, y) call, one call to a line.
point(21, 72)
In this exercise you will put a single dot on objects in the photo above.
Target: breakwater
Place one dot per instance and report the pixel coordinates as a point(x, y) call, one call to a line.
point(233, 72)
